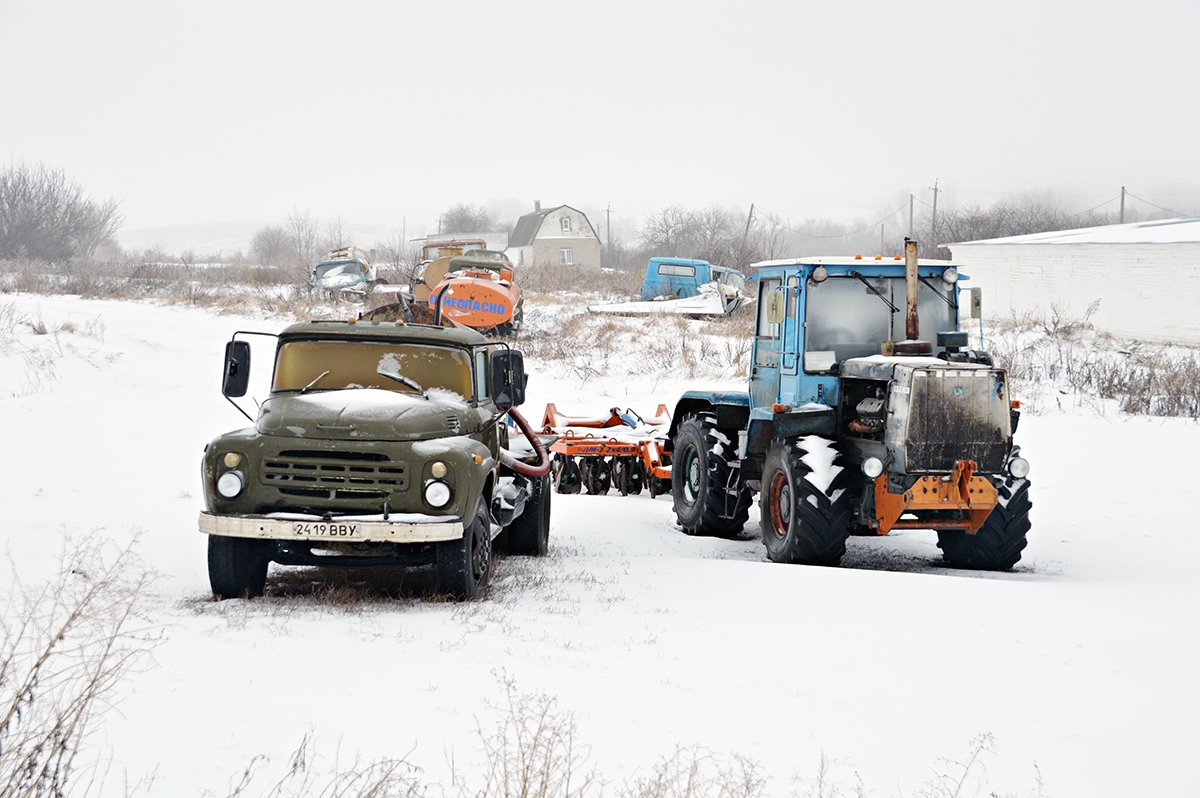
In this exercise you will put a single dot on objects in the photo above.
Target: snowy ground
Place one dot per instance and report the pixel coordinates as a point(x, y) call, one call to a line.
point(1081, 662)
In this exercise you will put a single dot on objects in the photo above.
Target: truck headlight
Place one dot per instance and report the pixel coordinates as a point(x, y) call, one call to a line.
point(230, 484)
point(437, 494)
point(1018, 467)
point(872, 467)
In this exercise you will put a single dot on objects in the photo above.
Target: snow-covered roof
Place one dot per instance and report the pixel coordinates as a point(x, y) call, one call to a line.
point(1163, 231)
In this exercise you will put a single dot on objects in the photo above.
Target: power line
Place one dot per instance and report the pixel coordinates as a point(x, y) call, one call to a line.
point(1152, 205)
point(839, 235)
point(1094, 207)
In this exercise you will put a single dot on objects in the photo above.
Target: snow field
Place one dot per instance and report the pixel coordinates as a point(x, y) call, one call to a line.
point(1082, 660)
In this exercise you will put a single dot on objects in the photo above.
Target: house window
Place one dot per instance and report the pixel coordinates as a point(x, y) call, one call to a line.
point(566, 224)
point(564, 257)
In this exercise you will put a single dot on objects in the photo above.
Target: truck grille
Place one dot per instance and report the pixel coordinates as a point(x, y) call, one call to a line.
point(336, 475)
point(958, 414)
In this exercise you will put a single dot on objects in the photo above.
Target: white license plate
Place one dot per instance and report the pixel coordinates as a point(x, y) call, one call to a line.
point(324, 529)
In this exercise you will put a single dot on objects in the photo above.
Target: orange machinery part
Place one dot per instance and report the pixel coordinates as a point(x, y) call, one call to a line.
point(961, 489)
point(478, 299)
point(582, 443)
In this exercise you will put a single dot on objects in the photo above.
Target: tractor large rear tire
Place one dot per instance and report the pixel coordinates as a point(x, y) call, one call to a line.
point(237, 567)
point(706, 503)
point(803, 522)
point(998, 544)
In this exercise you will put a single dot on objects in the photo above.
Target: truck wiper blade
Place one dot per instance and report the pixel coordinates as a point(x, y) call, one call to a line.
point(874, 291)
point(400, 378)
point(320, 376)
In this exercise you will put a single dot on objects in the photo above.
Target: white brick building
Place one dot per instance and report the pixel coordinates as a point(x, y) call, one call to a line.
point(1146, 276)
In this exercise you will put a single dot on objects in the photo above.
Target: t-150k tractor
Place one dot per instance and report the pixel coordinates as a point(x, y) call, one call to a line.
point(847, 430)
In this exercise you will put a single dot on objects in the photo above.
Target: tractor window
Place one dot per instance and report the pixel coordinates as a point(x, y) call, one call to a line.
point(844, 318)
point(335, 365)
point(770, 308)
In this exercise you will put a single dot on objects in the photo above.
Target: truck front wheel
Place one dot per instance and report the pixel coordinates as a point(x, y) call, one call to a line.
point(709, 498)
point(237, 567)
point(805, 510)
point(464, 565)
point(998, 544)
point(529, 533)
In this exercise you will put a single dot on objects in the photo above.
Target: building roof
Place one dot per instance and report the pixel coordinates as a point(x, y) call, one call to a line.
point(1163, 231)
point(529, 224)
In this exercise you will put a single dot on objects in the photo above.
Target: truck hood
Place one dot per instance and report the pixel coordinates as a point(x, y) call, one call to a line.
point(368, 414)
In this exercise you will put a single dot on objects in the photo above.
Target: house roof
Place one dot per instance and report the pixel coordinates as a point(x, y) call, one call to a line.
point(528, 226)
point(1163, 231)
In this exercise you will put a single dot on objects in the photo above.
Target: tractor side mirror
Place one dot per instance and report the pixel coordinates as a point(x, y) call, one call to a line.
point(236, 378)
point(977, 303)
point(508, 378)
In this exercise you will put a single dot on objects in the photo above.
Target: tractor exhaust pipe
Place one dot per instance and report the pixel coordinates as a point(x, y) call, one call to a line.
point(912, 325)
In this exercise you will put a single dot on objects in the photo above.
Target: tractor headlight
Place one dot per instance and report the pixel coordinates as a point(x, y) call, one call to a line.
point(437, 494)
point(872, 467)
point(950, 276)
point(1018, 467)
point(230, 484)
point(820, 274)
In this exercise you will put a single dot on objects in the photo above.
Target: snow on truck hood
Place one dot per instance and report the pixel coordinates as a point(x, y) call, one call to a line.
point(366, 414)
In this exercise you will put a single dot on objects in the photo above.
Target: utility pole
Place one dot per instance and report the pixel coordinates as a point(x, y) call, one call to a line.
point(911, 199)
point(746, 234)
point(608, 225)
point(933, 223)
point(1122, 204)
point(881, 239)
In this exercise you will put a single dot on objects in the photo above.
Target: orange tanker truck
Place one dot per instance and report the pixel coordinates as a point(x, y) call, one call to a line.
point(478, 290)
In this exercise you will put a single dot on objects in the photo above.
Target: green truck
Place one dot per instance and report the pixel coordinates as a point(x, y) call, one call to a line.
point(381, 444)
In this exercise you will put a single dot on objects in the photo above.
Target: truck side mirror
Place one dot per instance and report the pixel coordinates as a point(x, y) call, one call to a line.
point(508, 378)
point(236, 378)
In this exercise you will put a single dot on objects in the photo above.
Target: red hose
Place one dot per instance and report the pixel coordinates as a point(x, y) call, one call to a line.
point(543, 466)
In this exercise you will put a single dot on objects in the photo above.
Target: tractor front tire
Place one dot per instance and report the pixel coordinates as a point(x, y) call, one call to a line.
point(802, 523)
point(237, 567)
point(464, 565)
point(703, 460)
point(529, 533)
point(997, 545)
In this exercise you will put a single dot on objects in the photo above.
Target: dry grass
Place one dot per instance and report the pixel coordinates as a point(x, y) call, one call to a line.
point(65, 648)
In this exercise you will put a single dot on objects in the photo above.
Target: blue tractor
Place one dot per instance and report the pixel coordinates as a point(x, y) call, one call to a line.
point(855, 425)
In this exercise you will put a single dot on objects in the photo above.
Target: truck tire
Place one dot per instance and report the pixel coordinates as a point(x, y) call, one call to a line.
point(237, 567)
point(529, 533)
point(464, 565)
point(998, 544)
point(703, 460)
point(802, 522)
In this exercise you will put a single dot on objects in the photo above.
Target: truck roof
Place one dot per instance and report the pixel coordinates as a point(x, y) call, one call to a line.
point(384, 330)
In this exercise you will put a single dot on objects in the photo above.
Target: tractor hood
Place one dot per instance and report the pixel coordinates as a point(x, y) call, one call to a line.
point(368, 414)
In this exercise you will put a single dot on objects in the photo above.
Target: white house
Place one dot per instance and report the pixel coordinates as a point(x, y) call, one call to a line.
point(559, 236)
point(1145, 277)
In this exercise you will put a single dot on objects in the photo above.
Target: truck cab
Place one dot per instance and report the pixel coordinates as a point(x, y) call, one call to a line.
point(677, 278)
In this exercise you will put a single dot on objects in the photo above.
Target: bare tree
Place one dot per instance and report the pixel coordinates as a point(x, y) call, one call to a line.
point(336, 236)
point(44, 215)
point(271, 246)
point(465, 218)
point(303, 232)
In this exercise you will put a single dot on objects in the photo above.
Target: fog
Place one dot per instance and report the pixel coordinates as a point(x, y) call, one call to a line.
point(386, 114)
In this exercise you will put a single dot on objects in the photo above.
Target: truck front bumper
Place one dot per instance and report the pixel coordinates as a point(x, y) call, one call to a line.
point(398, 528)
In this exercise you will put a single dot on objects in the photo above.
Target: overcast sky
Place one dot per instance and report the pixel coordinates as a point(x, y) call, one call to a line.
point(378, 112)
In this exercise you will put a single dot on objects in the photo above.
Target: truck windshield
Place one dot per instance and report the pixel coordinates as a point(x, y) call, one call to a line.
point(844, 318)
point(339, 268)
point(335, 365)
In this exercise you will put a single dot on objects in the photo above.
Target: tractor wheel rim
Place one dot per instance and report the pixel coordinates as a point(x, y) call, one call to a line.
point(693, 475)
point(780, 505)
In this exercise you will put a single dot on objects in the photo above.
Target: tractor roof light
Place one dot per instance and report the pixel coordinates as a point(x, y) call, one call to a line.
point(820, 274)
point(950, 276)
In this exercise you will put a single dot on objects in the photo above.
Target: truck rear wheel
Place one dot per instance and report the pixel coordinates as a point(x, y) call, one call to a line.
point(804, 520)
point(237, 567)
point(464, 565)
point(529, 533)
point(709, 499)
point(998, 544)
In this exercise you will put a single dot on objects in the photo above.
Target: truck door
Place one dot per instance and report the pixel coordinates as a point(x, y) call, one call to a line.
point(764, 371)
